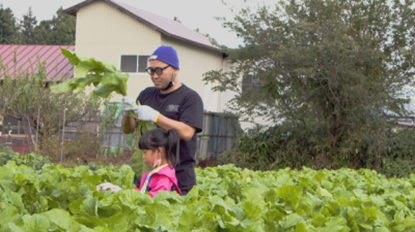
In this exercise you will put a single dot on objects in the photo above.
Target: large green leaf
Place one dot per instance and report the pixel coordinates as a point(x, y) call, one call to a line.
point(102, 75)
point(60, 218)
point(105, 90)
point(8, 184)
point(159, 215)
point(89, 207)
point(290, 194)
point(15, 199)
point(118, 222)
point(409, 223)
point(188, 218)
point(86, 229)
point(15, 228)
point(253, 205)
point(290, 221)
point(35, 223)
point(8, 213)
point(134, 199)
point(68, 86)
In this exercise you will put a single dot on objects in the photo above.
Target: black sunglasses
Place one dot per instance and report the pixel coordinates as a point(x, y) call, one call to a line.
point(157, 70)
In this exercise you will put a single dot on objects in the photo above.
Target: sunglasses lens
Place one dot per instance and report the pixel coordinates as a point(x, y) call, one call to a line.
point(159, 71)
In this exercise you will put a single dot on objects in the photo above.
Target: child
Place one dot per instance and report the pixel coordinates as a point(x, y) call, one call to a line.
point(161, 151)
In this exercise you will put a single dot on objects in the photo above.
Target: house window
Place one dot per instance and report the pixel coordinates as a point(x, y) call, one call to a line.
point(251, 83)
point(134, 63)
point(16, 126)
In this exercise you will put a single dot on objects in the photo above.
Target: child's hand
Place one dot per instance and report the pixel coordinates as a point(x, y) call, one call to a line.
point(115, 189)
point(108, 186)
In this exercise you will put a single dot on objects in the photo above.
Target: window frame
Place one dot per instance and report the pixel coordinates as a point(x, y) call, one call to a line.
point(137, 65)
point(244, 86)
point(4, 130)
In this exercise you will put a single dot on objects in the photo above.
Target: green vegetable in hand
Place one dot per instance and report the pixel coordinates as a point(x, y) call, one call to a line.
point(89, 71)
point(107, 79)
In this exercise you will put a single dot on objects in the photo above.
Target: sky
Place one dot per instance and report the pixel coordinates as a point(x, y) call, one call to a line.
point(192, 13)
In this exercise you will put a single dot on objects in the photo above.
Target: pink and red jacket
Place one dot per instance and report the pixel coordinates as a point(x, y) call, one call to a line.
point(165, 179)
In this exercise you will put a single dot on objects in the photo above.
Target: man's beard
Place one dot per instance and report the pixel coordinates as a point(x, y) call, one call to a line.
point(171, 84)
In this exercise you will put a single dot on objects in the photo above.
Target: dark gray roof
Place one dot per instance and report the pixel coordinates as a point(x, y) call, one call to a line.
point(166, 26)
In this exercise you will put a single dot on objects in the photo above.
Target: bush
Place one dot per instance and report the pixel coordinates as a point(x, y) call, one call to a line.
point(284, 146)
point(272, 149)
point(7, 154)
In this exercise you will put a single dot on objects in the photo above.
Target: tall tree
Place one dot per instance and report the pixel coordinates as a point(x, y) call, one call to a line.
point(322, 63)
point(63, 26)
point(8, 27)
point(58, 31)
point(43, 33)
point(28, 25)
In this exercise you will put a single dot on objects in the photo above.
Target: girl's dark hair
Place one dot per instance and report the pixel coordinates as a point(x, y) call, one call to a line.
point(170, 140)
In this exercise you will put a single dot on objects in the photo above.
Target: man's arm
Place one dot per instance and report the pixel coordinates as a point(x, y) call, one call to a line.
point(186, 132)
point(128, 124)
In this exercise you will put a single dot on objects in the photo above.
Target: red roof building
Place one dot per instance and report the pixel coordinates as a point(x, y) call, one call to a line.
point(25, 57)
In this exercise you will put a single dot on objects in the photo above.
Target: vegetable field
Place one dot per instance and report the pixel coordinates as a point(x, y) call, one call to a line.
point(226, 199)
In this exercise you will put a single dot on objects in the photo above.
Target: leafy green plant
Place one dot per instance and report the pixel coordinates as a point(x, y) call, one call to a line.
point(104, 76)
point(226, 198)
point(7, 154)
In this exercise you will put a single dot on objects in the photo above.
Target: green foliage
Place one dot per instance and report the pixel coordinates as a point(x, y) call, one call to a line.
point(8, 27)
point(226, 199)
point(28, 25)
point(331, 65)
point(7, 154)
point(104, 76)
point(398, 167)
point(274, 148)
point(60, 30)
point(283, 146)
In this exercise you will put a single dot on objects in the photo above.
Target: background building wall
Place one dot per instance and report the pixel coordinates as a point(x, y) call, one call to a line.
point(121, 35)
point(125, 35)
point(194, 62)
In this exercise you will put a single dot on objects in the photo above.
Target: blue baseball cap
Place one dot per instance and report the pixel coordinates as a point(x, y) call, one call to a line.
point(166, 54)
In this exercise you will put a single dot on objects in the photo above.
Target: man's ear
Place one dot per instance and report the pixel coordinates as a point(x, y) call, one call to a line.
point(175, 72)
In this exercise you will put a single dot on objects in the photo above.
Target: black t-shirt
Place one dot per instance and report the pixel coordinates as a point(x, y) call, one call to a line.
point(183, 105)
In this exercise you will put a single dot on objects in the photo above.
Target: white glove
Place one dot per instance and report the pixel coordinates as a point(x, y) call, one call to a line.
point(146, 113)
point(108, 186)
point(127, 104)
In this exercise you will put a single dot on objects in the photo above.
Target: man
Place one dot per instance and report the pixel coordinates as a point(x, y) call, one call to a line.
point(170, 105)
